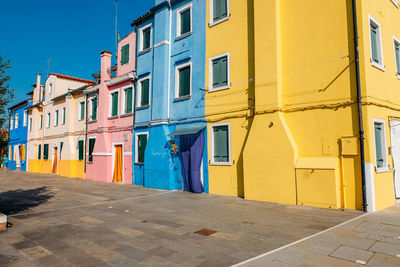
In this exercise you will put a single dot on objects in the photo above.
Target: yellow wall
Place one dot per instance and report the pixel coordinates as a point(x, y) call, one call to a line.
point(66, 168)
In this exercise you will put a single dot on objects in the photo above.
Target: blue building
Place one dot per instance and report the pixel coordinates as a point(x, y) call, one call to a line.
point(170, 150)
point(17, 146)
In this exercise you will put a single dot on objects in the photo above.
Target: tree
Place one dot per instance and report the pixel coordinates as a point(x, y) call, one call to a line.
point(6, 96)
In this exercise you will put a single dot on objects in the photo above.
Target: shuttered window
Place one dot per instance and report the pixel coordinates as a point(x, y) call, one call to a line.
point(145, 92)
point(92, 142)
point(41, 122)
point(56, 118)
point(63, 116)
point(185, 21)
point(375, 38)
point(220, 9)
point(397, 54)
point(380, 150)
point(128, 101)
point(30, 124)
point(146, 38)
point(184, 81)
point(80, 150)
point(40, 152)
point(81, 110)
point(114, 104)
point(61, 148)
point(94, 109)
point(125, 54)
point(221, 143)
point(374, 45)
point(46, 151)
point(48, 120)
point(141, 147)
point(220, 72)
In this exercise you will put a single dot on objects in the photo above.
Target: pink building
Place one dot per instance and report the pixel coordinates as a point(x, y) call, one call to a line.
point(110, 117)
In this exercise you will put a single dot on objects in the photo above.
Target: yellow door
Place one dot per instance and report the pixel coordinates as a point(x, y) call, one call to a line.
point(54, 169)
point(117, 178)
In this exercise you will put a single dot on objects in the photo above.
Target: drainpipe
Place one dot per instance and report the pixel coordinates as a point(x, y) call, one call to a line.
point(86, 128)
point(169, 59)
point(359, 104)
point(134, 102)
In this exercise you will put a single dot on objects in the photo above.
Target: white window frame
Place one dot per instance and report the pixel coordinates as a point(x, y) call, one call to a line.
point(211, 75)
point(63, 115)
point(80, 117)
point(178, 20)
point(25, 118)
point(16, 120)
point(30, 124)
point(48, 118)
point(385, 167)
point(110, 103)
point(212, 23)
point(177, 69)
point(139, 92)
point(129, 56)
point(123, 96)
point(141, 37)
point(137, 145)
point(396, 42)
point(212, 162)
point(91, 108)
point(56, 117)
point(380, 65)
point(396, 3)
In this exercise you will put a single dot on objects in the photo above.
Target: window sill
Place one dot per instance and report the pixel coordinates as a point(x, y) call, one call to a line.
point(182, 98)
point(139, 163)
point(142, 107)
point(221, 163)
point(378, 66)
point(126, 115)
point(92, 121)
point(183, 36)
point(144, 51)
point(219, 88)
point(211, 24)
point(113, 117)
point(382, 170)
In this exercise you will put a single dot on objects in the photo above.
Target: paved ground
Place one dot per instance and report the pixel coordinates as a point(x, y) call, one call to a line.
point(73, 222)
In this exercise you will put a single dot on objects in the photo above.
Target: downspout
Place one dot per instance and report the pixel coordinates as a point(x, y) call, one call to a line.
point(169, 60)
point(134, 102)
point(86, 128)
point(359, 104)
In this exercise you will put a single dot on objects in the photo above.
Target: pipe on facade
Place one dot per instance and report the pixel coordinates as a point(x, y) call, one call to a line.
point(359, 104)
point(86, 129)
point(135, 83)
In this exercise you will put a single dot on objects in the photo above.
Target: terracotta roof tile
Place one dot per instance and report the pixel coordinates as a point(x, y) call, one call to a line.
point(66, 77)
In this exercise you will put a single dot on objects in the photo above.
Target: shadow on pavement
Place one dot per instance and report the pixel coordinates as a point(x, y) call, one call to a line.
point(16, 201)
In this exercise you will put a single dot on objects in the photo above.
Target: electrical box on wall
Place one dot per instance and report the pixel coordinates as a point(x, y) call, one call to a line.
point(349, 146)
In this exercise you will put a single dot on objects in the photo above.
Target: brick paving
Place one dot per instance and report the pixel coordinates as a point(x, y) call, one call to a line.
point(74, 222)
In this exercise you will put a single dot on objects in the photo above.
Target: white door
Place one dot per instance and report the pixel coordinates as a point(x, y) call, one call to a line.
point(17, 157)
point(395, 139)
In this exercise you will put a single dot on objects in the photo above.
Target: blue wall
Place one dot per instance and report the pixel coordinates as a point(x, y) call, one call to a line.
point(161, 169)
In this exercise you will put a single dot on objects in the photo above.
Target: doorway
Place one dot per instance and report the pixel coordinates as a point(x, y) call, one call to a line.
point(17, 157)
point(395, 140)
point(118, 164)
point(55, 161)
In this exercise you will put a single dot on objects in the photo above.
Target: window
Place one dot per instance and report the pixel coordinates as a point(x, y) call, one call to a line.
point(380, 145)
point(144, 92)
point(92, 142)
point(48, 120)
point(219, 73)
point(81, 110)
point(61, 148)
point(63, 115)
point(376, 44)
point(50, 88)
point(218, 11)
point(11, 121)
point(80, 150)
point(145, 34)
point(220, 144)
point(128, 103)
point(183, 80)
point(184, 24)
point(114, 104)
point(46, 151)
point(39, 152)
point(30, 124)
point(93, 115)
point(56, 118)
point(16, 121)
point(125, 54)
point(41, 122)
point(397, 55)
point(141, 142)
point(25, 117)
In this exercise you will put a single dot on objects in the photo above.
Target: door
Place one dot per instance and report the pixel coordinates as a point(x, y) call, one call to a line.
point(395, 140)
point(17, 155)
point(118, 164)
point(191, 155)
point(55, 161)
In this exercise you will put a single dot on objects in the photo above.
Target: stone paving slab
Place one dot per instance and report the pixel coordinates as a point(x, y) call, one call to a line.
point(76, 222)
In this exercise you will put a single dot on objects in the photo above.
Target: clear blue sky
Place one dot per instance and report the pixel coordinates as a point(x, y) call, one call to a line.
point(70, 32)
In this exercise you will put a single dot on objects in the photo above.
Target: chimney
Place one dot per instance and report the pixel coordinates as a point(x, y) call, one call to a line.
point(37, 92)
point(105, 66)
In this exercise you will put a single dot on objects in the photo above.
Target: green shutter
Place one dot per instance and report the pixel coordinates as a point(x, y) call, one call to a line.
point(374, 44)
point(125, 54)
point(216, 8)
point(94, 109)
point(80, 149)
point(145, 92)
point(397, 51)
point(114, 104)
point(220, 72)
point(63, 116)
point(220, 9)
point(142, 142)
point(46, 151)
point(146, 38)
point(184, 81)
point(215, 66)
point(40, 152)
point(221, 145)
point(61, 148)
point(41, 121)
point(128, 101)
point(378, 144)
point(91, 148)
point(82, 110)
point(56, 117)
point(185, 21)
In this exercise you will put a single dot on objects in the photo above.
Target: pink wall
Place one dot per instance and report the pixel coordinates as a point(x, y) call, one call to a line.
point(126, 68)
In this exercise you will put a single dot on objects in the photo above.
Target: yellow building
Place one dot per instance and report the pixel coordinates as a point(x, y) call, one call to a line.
point(282, 101)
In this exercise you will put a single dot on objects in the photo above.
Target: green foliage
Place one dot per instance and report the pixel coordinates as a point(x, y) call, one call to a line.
point(6, 96)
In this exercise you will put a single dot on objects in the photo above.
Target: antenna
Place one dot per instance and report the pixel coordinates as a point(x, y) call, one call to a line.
point(116, 25)
point(48, 66)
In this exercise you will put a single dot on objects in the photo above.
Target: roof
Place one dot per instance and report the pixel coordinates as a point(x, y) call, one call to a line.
point(19, 104)
point(66, 77)
point(73, 92)
point(142, 18)
point(35, 105)
point(150, 14)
